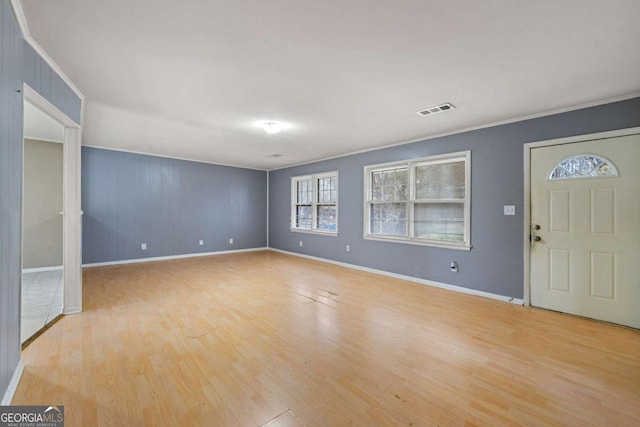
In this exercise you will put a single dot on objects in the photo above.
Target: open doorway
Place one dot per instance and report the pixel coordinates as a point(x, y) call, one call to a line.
point(41, 249)
point(42, 222)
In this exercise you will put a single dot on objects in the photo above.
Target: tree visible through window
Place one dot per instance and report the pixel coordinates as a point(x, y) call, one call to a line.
point(304, 203)
point(314, 203)
point(388, 206)
point(424, 201)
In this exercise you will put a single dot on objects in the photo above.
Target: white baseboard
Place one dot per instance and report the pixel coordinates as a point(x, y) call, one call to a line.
point(41, 269)
point(13, 384)
point(165, 258)
point(454, 288)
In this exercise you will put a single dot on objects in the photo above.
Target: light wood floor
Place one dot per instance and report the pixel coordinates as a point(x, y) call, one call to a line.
point(248, 339)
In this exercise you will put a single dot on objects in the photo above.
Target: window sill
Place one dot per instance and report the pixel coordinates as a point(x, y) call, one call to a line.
point(431, 243)
point(319, 232)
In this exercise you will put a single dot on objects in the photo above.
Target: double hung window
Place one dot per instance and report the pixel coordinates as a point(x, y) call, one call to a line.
point(314, 203)
point(422, 201)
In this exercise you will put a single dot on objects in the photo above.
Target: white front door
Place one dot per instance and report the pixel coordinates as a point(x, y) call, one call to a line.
point(585, 222)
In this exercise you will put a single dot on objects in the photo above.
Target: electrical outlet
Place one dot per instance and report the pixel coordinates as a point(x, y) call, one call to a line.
point(454, 266)
point(201, 242)
point(143, 246)
point(300, 243)
point(231, 241)
point(509, 210)
point(348, 248)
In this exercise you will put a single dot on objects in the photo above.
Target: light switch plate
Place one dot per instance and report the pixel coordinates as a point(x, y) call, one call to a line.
point(509, 210)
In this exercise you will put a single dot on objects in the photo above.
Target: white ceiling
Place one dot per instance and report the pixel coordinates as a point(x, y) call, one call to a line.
point(39, 125)
point(190, 79)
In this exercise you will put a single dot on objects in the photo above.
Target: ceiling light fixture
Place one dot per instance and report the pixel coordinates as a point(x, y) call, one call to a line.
point(272, 127)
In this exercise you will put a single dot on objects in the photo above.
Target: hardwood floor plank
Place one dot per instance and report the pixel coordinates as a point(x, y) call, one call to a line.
point(263, 337)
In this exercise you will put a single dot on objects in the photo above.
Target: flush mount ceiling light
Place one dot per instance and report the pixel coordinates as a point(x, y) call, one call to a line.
point(272, 127)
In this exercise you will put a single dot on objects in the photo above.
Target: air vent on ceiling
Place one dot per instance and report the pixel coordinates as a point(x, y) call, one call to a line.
point(437, 109)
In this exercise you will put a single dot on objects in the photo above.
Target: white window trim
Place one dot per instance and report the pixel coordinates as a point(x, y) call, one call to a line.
point(411, 165)
point(314, 180)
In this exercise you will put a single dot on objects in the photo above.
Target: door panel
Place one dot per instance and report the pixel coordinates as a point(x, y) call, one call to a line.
point(603, 203)
point(587, 261)
point(560, 270)
point(602, 279)
point(560, 210)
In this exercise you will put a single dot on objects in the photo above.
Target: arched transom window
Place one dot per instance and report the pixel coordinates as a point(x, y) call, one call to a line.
point(583, 166)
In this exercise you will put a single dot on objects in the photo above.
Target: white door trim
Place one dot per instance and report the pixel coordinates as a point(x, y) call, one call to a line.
point(71, 258)
point(527, 189)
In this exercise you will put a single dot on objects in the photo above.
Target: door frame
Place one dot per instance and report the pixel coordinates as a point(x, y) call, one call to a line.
point(527, 189)
point(71, 207)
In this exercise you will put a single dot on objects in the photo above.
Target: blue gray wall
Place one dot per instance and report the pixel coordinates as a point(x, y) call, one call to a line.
point(169, 204)
point(10, 192)
point(44, 80)
point(18, 64)
point(495, 264)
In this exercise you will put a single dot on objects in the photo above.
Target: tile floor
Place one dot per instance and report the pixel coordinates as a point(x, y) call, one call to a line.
point(41, 300)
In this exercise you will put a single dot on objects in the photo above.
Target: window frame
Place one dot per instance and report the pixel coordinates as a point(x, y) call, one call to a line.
point(411, 201)
point(314, 203)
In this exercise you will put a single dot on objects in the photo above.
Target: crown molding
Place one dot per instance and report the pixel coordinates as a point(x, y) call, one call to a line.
point(167, 156)
point(24, 26)
point(470, 128)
